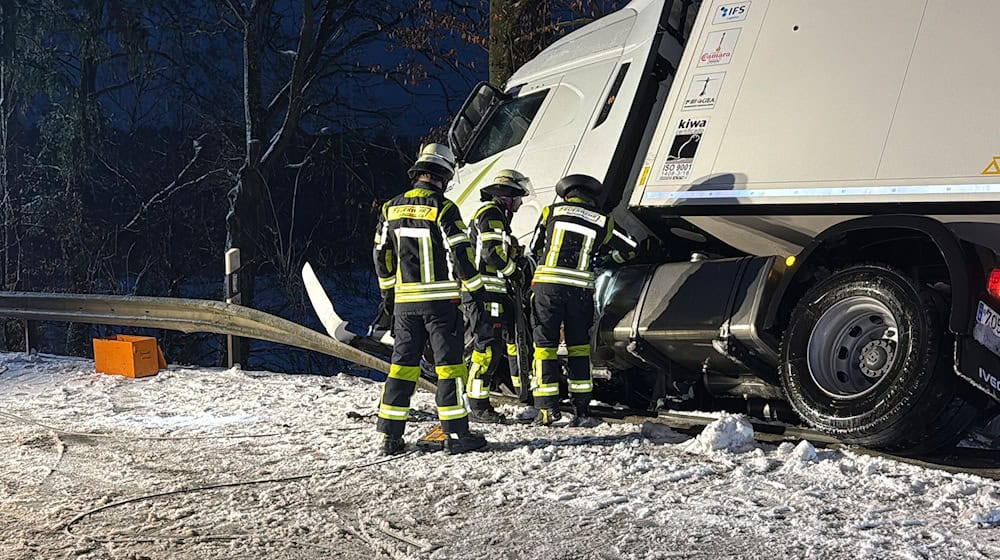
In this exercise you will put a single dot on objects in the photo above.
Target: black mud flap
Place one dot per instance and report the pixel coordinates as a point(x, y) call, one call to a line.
point(978, 365)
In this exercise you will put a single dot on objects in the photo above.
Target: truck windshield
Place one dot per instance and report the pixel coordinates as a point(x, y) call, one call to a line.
point(506, 127)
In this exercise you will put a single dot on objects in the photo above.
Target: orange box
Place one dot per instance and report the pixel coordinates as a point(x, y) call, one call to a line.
point(131, 356)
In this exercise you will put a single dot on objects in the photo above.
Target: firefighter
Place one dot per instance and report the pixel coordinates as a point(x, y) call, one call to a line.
point(493, 324)
point(569, 235)
point(420, 247)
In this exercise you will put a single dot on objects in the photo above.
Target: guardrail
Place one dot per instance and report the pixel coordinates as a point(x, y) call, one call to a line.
point(178, 314)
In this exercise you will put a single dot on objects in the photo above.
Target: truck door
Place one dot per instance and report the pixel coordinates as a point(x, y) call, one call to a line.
point(569, 109)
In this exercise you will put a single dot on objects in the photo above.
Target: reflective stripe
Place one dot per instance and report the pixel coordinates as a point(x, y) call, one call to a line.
point(457, 238)
point(386, 283)
point(490, 236)
point(423, 237)
point(382, 235)
point(617, 257)
point(452, 412)
point(474, 283)
point(420, 286)
point(586, 275)
point(509, 269)
point(542, 353)
point(457, 371)
point(581, 386)
point(437, 296)
point(578, 350)
point(478, 390)
point(554, 247)
point(631, 243)
point(494, 284)
point(546, 390)
point(393, 412)
point(406, 373)
point(544, 279)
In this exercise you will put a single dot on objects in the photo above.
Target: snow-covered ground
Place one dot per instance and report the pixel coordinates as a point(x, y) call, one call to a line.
point(316, 490)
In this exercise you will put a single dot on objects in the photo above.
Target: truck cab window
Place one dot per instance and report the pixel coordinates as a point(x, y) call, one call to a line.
point(506, 127)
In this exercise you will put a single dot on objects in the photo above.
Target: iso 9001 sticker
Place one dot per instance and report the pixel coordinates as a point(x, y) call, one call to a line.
point(987, 328)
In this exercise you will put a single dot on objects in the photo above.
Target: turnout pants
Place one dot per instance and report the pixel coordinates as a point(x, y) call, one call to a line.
point(571, 309)
point(492, 339)
point(443, 328)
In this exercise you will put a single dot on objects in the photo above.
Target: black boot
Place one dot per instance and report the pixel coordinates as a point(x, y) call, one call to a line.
point(548, 416)
point(487, 416)
point(392, 445)
point(583, 418)
point(464, 442)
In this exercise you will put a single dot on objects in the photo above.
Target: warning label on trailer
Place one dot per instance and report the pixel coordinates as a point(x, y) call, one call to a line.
point(677, 167)
point(704, 91)
point(718, 48)
point(993, 168)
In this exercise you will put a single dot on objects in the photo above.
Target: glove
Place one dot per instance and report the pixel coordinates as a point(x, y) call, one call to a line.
point(383, 320)
point(516, 278)
point(479, 298)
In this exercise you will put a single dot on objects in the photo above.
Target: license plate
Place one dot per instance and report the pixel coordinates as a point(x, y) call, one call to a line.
point(987, 328)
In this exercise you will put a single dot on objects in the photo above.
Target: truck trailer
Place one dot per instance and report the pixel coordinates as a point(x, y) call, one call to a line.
point(816, 185)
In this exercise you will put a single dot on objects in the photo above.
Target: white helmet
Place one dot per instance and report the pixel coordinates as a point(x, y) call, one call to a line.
point(508, 182)
point(436, 159)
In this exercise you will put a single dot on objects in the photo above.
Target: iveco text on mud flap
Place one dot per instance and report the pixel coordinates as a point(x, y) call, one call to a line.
point(821, 201)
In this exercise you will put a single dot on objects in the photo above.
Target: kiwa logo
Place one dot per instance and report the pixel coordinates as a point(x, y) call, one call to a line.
point(687, 124)
point(732, 12)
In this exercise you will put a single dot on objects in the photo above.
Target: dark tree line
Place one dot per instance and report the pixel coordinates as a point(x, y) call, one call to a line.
point(141, 138)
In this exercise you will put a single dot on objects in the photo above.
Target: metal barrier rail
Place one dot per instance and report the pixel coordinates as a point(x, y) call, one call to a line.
point(178, 314)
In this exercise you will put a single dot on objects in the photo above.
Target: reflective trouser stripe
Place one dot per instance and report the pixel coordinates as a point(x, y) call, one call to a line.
point(478, 389)
point(407, 373)
point(390, 412)
point(452, 412)
point(456, 371)
point(578, 369)
point(546, 390)
point(581, 386)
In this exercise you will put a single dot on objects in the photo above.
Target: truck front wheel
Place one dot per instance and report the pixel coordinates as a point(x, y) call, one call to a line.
point(866, 357)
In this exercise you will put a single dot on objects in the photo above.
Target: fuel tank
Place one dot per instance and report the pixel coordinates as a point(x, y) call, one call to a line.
point(704, 316)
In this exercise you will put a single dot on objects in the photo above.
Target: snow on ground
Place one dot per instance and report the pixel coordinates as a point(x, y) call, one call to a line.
point(615, 492)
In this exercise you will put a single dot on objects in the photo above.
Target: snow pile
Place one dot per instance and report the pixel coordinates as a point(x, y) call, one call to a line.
point(731, 432)
point(211, 464)
point(988, 519)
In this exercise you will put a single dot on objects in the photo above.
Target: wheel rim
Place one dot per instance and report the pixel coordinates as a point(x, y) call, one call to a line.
point(853, 347)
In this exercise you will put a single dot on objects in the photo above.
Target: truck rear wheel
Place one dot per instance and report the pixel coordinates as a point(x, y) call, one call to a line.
point(866, 357)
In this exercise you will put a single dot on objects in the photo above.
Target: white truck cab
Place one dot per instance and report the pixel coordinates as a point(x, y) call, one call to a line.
point(820, 188)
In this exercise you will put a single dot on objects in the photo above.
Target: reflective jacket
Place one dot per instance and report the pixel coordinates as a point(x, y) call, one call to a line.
point(568, 237)
point(491, 238)
point(422, 250)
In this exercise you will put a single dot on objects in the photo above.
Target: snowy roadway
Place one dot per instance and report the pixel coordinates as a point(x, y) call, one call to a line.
point(608, 493)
